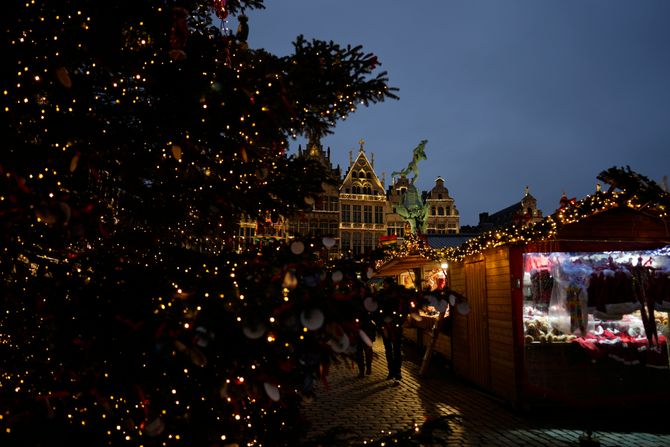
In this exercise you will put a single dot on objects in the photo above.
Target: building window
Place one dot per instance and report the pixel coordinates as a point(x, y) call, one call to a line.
point(354, 174)
point(293, 227)
point(332, 204)
point(396, 230)
point(345, 241)
point(367, 213)
point(447, 211)
point(432, 210)
point(367, 242)
point(379, 214)
point(346, 213)
point(356, 245)
point(439, 196)
point(440, 211)
point(357, 213)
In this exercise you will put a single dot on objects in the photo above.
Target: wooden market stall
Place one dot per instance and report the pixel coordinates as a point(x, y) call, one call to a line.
point(425, 328)
point(544, 326)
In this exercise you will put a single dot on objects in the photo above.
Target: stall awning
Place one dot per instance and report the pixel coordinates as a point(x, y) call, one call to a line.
point(404, 265)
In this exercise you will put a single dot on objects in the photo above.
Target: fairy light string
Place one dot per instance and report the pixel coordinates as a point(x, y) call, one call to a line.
point(627, 189)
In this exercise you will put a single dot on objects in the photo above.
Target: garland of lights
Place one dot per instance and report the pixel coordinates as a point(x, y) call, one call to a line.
point(641, 194)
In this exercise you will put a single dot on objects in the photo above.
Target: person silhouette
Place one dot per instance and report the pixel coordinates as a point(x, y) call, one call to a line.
point(393, 304)
point(364, 352)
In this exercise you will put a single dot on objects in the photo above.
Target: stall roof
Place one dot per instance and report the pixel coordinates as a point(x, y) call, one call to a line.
point(437, 241)
point(405, 264)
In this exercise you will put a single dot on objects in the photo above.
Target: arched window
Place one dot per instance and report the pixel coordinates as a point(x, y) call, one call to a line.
point(369, 175)
point(354, 174)
point(432, 210)
point(440, 211)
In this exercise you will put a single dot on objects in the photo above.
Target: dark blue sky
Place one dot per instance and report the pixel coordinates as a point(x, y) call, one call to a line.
point(508, 93)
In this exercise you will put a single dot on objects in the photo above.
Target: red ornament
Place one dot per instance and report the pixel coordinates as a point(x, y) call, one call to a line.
point(220, 8)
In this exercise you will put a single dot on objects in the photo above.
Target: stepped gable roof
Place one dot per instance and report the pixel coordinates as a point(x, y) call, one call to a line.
point(314, 150)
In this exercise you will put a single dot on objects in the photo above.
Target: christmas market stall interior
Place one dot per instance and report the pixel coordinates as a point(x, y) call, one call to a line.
point(606, 312)
point(573, 309)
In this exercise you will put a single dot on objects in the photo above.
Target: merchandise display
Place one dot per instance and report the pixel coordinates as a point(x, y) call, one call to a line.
point(613, 304)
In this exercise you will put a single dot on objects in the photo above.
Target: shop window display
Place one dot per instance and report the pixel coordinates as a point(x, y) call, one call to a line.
point(614, 305)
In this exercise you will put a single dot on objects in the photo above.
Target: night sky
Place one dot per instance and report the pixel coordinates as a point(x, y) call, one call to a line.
point(507, 93)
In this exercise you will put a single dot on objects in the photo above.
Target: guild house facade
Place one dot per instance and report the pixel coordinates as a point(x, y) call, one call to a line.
point(356, 210)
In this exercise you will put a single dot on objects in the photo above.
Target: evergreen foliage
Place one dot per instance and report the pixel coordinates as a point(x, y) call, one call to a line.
point(135, 136)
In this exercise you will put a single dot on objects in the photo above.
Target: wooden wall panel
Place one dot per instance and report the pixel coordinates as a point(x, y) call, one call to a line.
point(501, 337)
point(461, 351)
point(478, 337)
point(483, 341)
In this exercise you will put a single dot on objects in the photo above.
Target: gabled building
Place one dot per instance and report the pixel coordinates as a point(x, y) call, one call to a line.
point(363, 206)
point(523, 212)
point(443, 217)
point(322, 217)
point(355, 210)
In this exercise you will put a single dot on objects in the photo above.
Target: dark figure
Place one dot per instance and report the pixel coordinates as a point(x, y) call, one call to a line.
point(242, 29)
point(363, 350)
point(393, 306)
point(392, 338)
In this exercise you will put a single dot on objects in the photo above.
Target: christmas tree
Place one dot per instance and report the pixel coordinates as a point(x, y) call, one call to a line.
point(135, 137)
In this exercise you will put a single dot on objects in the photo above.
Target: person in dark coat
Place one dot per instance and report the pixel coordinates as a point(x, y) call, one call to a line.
point(393, 311)
point(364, 348)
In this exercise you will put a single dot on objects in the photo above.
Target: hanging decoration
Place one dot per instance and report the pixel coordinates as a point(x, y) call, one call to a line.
point(242, 29)
point(63, 77)
point(178, 34)
point(220, 9)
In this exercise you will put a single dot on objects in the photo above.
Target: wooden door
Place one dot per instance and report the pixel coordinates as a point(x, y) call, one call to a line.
point(478, 336)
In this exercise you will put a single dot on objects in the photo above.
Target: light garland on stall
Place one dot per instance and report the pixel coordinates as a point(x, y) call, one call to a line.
point(545, 230)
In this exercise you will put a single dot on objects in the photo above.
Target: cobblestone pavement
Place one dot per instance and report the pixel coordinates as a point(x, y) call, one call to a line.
point(369, 406)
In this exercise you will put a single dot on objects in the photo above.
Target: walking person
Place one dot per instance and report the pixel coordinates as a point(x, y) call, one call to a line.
point(364, 351)
point(393, 306)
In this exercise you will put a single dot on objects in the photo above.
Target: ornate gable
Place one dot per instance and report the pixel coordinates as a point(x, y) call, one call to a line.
point(361, 177)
